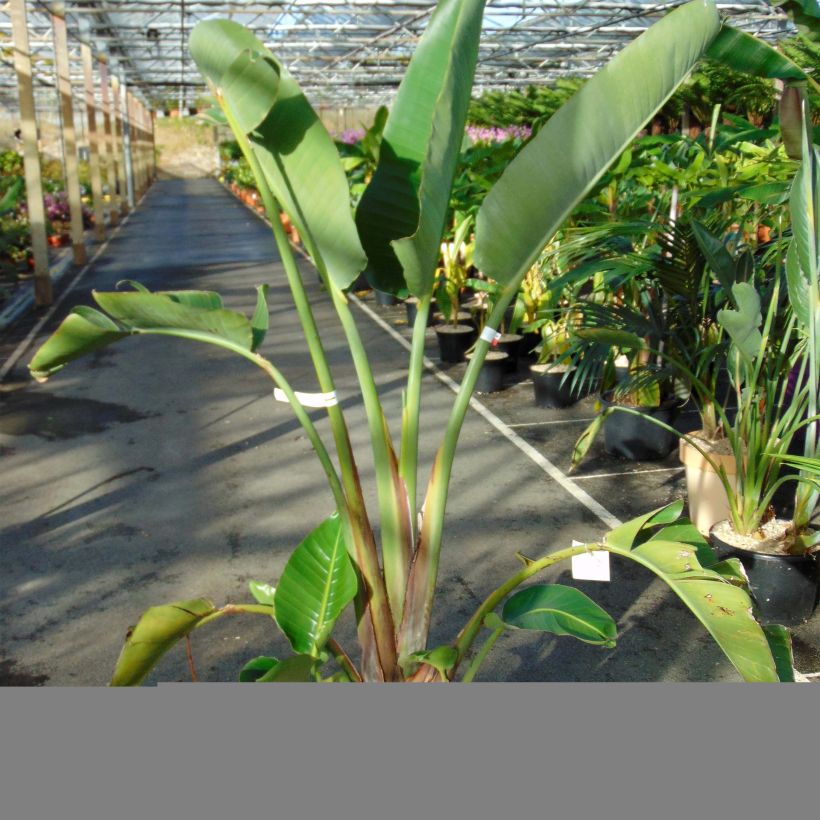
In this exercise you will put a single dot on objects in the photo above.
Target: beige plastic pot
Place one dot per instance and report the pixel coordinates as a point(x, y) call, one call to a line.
point(708, 502)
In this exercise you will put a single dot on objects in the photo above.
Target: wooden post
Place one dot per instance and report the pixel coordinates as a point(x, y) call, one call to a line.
point(72, 171)
point(143, 146)
point(128, 160)
point(146, 144)
point(110, 154)
point(153, 145)
point(93, 142)
point(43, 293)
point(119, 148)
point(136, 132)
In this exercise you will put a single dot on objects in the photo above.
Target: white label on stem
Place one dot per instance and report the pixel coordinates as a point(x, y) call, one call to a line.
point(490, 335)
point(590, 566)
point(308, 399)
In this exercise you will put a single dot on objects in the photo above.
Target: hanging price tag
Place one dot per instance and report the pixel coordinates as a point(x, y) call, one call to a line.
point(590, 566)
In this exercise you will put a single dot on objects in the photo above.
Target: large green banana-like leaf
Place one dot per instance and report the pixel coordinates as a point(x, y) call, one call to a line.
point(191, 314)
point(160, 628)
point(317, 583)
point(82, 331)
point(627, 534)
point(743, 52)
point(561, 610)
point(557, 168)
point(297, 156)
point(402, 213)
point(724, 608)
point(805, 218)
point(743, 324)
point(157, 311)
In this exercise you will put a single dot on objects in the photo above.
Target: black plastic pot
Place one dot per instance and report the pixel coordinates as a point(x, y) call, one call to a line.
point(384, 299)
point(454, 341)
point(632, 437)
point(464, 318)
point(528, 346)
point(549, 392)
point(491, 376)
point(508, 343)
point(411, 305)
point(783, 587)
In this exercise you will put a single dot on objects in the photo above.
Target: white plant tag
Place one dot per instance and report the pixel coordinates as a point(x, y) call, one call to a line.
point(308, 399)
point(590, 566)
point(490, 335)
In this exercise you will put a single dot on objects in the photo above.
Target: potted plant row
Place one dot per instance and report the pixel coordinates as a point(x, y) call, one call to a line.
point(762, 328)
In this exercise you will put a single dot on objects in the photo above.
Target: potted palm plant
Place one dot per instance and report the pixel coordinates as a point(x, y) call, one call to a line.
point(775, 370)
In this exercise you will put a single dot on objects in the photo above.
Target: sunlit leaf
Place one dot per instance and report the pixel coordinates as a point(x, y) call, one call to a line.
point(317, 583)
point(560, 610)
point(159, 629)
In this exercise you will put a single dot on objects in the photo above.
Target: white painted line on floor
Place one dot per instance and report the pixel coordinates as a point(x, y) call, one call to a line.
point(537, 458)
point(628, 472)
point(546, 423)
point(32, 334)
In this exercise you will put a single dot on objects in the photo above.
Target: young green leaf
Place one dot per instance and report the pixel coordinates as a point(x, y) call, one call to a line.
point(743, 324)
point(628, 534)
point(317, 583)
point(260, 321)
point(296, 669)
point(256, 668)
point(442, 658)
point(263, 593)
point(82, 331)
point(159, 628)
point(175, 312)
point(561, 610)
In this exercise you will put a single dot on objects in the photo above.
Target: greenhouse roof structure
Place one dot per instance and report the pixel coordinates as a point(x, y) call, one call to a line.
point(348, 52)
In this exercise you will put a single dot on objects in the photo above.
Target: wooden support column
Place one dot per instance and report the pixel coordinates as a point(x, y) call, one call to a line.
point(72, 170)
point(146, 144)
point(43, 293)
point(110, 152)
point(136, 136)
point(93, 142)
point(119, 147)
point(143, 154)
point(153, 145)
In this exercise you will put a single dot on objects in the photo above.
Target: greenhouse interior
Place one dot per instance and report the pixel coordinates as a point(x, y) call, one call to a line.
point(482, 341)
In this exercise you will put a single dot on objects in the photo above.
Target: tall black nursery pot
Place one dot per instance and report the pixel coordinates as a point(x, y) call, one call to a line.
point(411, 305)
point(454, 341)
point(491, 376)
point(384, 299)
point(784, 587)
point(632, 437)
point(509, 343)
point(551, 390)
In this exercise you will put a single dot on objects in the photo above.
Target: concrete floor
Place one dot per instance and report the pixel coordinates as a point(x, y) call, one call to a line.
point(159, 470)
